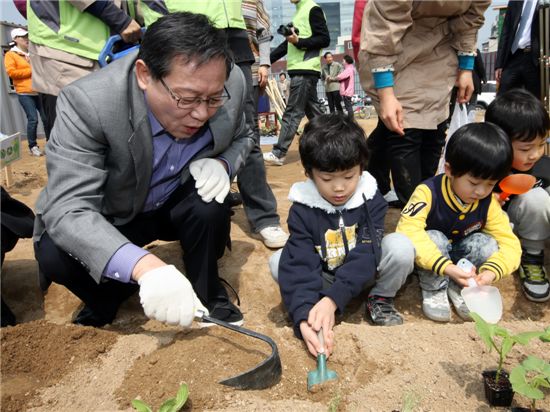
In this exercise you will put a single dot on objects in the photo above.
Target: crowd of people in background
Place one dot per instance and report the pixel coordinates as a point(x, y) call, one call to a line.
point(148, 147)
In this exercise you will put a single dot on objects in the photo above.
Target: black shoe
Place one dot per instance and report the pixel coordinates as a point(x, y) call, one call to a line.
point(224, 309)
point(87, 317)
point(8, 318)
point(381, 311)
point(234, 199)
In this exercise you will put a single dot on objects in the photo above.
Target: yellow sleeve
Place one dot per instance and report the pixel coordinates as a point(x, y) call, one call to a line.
point(413, 225)
point(507, 258)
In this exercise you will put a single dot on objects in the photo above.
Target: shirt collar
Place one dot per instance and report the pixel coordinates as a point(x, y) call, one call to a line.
point(156, 127)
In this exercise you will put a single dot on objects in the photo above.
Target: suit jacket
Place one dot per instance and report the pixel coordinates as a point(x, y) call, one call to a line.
point(100, 160)
point(509, 28)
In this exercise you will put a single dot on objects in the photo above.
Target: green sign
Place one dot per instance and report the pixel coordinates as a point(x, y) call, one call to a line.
point(10, 149)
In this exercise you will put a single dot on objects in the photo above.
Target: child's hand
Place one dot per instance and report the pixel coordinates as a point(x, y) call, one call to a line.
point(499, 200)
point(458, 275)
point(485, 278)
point(312, 341)
point(322, 316)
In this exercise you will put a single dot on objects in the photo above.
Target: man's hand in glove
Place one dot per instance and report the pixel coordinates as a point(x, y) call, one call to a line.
point(212, 180)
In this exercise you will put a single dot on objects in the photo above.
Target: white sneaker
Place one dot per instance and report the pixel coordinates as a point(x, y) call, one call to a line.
point(274, 236)
point(435, 305)
point(271, 159)
point(35, 151)
point(390, 196)
point(453, 290)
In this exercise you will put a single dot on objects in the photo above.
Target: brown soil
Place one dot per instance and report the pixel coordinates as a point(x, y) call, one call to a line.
point(50, 365)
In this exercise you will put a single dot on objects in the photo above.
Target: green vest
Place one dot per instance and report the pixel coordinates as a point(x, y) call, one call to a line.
point(64, 27)
point(222, 13)
point(296, 58)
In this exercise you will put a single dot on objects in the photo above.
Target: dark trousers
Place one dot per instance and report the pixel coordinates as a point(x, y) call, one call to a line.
point(202, 229)
point(302, 100)
point(349, 106)
point(335, 102)
point(520, 72)
point(411, 158)
point(48, 102)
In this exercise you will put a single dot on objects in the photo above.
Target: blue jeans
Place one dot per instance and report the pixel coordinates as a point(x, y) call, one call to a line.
point(31, 105)
point(302, 100)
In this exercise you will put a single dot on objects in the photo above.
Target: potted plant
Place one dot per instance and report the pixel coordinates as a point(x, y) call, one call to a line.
point(170, 405)
point(527, 379)
point(498, 389)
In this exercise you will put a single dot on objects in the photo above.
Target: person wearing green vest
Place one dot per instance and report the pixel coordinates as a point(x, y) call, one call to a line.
point(303, 49)
point(65, 39)
point(256, 195)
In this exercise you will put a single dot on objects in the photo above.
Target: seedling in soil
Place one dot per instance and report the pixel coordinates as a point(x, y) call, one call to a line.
point(170, 405)
point(498, 338)
point(533, 373)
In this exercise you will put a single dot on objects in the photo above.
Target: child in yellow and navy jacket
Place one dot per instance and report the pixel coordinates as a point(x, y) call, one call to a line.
point(523, 117)
point(454, 215)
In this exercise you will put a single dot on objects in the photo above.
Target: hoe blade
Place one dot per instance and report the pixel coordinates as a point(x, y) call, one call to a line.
point(263, 375)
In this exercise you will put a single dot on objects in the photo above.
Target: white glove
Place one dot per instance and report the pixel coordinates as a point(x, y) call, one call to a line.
point(167, 296)
point(212, 180)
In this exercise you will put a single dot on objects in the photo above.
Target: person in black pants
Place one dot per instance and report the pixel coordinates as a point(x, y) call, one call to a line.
point(517, 63)
point(17, 223)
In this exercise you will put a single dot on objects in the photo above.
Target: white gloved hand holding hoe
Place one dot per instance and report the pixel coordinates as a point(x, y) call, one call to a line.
point(212, 180)
point(167, 296)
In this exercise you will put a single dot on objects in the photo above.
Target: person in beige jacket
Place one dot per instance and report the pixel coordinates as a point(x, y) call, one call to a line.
point(412, 54)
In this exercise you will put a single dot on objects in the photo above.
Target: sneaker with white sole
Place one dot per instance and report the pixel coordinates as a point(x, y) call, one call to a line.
point(35, 151)
point(534, 279)
point(271, 159)
point(458, 301)
point(273, 236)
point(435, 305)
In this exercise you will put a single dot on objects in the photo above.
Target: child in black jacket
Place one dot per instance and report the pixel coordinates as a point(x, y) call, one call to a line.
point(336, 227)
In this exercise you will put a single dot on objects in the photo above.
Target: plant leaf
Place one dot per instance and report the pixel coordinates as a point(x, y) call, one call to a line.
point(532, 363)
point(545, 337)
point(181, 397)
point(518, 379)
point(169, 406)
point(507, 344)
point(141, 406)
point(525, 337)
point(484, 330)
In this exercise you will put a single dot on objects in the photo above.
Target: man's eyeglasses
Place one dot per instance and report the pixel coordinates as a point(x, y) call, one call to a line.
point(192, 102)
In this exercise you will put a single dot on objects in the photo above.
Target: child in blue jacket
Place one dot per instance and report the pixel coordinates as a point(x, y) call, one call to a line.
point(336, 225)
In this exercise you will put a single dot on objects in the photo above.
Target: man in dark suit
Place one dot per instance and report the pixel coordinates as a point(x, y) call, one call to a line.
point(517, 62)
point(141, 150)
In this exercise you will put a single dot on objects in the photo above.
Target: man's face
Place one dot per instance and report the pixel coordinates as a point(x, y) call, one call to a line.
point(329, 58)
point(185, 79)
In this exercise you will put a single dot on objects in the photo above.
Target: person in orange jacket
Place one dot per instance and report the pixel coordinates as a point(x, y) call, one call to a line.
point(19, 69)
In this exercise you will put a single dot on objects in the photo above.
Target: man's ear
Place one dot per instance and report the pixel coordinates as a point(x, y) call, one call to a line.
point(448, 170)
point(143, 75)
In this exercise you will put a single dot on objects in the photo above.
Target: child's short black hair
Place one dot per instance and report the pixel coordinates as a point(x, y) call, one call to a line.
point(348, 59)
point(481, 149)
point(520, 114)
point(333, 143)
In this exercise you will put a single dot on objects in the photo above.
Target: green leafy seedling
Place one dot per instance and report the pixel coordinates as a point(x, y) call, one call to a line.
point(526, 379)
point(170, 405)
point(498, 338)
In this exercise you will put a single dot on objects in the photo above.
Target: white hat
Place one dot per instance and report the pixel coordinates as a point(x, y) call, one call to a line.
point(19, 32)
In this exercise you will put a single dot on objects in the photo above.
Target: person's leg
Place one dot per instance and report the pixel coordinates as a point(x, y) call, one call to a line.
point(259, 202)
point(338, 102)
point(274, 264)
point(396, 264)
point(435, 303)
point(43, 117)
point(312, 106)
point(432, 144)
point(101, 300)
point(330, 101)
point(8, 240)
point(349, 106)
point(203, 230)
point(530, 214)
point(378, 165)
point(48, 103)
point(531, 76)
point(512, 74)
point(405, 160)
point(294, 112)
point(27, 102)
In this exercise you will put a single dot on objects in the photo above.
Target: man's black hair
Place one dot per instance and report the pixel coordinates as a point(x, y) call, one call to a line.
point(348, 59)
point(333, 143)
point(520, 114)
point(183, 35)
point(480, 149)
point(326, 54)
